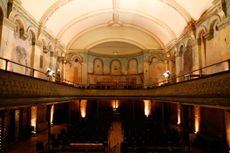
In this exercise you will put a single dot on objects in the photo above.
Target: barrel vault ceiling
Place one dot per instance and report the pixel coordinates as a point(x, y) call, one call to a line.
point(146, 24)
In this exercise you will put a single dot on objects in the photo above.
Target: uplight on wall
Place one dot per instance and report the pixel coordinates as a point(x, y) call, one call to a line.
point(33, 122)
point(52, 115)
point(197, 118)
point(83, 106)
point(147, 107)
point(115, 104)
point(166, 74)
point(178, 114)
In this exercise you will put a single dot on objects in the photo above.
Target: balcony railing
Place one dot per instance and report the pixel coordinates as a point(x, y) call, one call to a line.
point(194, 74)
point(10, 65)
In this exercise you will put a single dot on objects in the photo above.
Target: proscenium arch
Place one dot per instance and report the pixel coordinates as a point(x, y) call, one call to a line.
point(95, 13)
point(126, 25)
point(171, 3)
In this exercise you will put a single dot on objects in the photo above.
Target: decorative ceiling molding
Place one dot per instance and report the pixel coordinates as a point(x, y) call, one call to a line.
point(171, 3)
point(161, 24)
point(179, 8)
point(51, 10)
point(152, 35)
point(126, 25)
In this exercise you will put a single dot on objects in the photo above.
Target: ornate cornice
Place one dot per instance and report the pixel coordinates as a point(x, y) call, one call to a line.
point(224, 23)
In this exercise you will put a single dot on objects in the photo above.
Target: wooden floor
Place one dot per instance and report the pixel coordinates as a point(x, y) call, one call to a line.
point(28, 146)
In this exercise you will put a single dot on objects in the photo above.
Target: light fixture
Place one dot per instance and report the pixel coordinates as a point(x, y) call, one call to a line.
point(115, 105)
point(166, 74)
point(115, 52)
point(49, 72)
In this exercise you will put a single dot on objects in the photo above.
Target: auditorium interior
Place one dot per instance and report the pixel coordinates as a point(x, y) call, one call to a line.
point(115, 76)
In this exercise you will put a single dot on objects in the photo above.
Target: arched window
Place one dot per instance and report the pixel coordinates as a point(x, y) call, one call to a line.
point(188, 58)
point(32, 54)
point(202, 50)
point(98, 66)
point(116, 67)
point(180, 64)
point(132, 66)
point(77, 68)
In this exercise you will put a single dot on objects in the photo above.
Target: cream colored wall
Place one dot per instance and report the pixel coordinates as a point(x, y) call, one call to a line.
point(218, 49)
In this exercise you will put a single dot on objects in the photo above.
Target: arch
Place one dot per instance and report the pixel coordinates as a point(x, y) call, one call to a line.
point(3, 8)
point(115, 67)
point(213, 25)
point(173, 4)
point(33, 30)
point(201, 31)
point(32, 38)
point(201, 42)
point(19, 26)
point(77, 71)
point(98, 66)
point(74, 57)
point(133, 66)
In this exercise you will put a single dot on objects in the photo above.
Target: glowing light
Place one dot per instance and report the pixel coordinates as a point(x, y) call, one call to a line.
point(147, 107)
point(227, 122)
point(83, 105)
point(166, 74)
point(115, 104)
point(33, 121)
point(52, 114)
point(197, 118)
point(178, 115)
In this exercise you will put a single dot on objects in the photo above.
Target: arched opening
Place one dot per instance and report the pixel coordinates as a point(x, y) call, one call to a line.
point(157, 68)
point(115, 67)
point(202, 51)
point(98, 66)
point(32, 54)
point(180, 60)
point(77, 71)
point(132, 66)
point(188, 58)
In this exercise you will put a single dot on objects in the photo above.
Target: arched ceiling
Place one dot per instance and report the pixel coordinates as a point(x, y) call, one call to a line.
point(162, 21)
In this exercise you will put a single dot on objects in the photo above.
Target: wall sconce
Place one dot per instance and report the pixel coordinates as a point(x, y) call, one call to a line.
point(49, 72)
point(167, 74)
